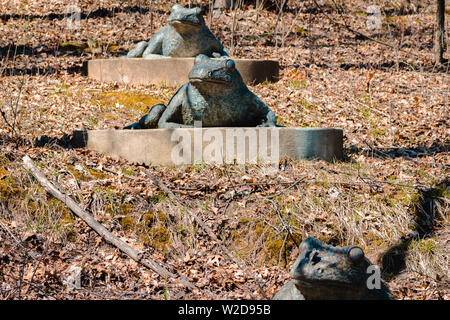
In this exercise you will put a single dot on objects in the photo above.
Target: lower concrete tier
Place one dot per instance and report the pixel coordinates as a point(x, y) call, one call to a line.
point(171, 71)
point(214, 145)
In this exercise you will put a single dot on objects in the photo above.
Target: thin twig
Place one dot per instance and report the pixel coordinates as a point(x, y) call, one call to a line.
point(31, 255)
point(290, 187)
point(233, 25)
point(207, 229)
point(283, 222)
point(22, 269)
point(378, 151)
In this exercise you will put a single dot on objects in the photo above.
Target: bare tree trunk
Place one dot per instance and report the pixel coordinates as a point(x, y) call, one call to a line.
point(275, 32)
point(222, 4)
point(151, 18)
point(439, 44)
point(234, 7)
point(211, 5)
point(257, 10)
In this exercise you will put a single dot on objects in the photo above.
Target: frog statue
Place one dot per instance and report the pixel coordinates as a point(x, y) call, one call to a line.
point(185, 35)
point(324, 272)
point(216, 95)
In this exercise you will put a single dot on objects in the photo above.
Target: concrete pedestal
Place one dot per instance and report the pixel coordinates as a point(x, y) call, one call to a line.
point(214, 145)
point(171, 71)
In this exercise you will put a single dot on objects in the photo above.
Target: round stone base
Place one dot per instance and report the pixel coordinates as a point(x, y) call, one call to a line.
point(171, 71)
point(214, 145)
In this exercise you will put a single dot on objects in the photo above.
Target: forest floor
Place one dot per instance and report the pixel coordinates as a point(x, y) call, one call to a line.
point(390, 195)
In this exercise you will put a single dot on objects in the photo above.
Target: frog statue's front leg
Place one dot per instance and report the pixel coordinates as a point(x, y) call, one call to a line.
point(148, 48)
point(154, 46)
point(150, 120)
point(172, 116)
point(161, 116)
point(269, 120)
point(138, 50)
point(266, 117)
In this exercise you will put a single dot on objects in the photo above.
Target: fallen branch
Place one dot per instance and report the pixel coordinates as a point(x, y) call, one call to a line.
point(383, 153)
point(101, 230)
point(290, 187)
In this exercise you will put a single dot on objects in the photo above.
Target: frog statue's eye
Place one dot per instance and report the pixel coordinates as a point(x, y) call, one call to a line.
point(356, 254)
point(176, 7)
point(200, 11)
point(230, 65)
point(199, 58)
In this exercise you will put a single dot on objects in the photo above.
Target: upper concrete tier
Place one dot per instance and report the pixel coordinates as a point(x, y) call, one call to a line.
point(171, 71)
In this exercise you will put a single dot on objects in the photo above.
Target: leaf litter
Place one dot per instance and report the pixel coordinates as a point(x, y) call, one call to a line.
point(393, 107)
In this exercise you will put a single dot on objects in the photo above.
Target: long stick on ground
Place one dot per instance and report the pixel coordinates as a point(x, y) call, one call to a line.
point(101, 230)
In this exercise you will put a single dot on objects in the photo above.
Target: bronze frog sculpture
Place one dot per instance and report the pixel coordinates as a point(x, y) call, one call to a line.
point(324, 272)
point(216, 95)
point(185, 35)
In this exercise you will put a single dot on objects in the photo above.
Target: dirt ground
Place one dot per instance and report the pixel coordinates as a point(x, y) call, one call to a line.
point(339, 68)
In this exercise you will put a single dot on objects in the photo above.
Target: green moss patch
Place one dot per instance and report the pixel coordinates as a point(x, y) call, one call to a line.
point(121, 209)
point(87, 174)
point(128, 224)
point(139, 102)
point(255, 236)
point(152, 230)
point(9, 188)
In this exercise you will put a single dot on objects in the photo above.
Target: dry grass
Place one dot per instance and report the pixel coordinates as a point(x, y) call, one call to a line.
point(396, 144)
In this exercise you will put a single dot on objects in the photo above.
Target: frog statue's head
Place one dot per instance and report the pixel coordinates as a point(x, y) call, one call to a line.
point(185, 19)
point(215, 75)
point(325, 271)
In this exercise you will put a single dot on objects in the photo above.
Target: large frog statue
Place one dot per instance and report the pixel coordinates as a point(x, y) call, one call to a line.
point(186, 35)
point(324, 272)
point(216, 95)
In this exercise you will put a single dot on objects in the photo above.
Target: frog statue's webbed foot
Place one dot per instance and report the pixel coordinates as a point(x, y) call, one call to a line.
point(267, 124)
point(222, 54)
point(150, 120)
point(154, 55)
point(138, 50)
point(269, 121)
point(133, 126)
